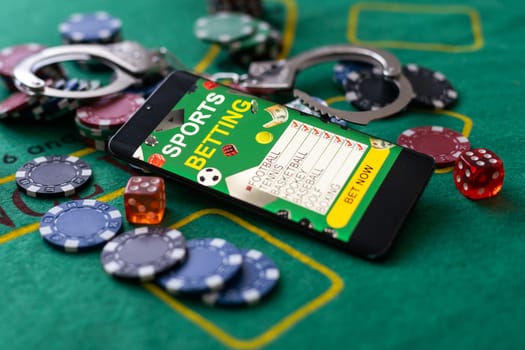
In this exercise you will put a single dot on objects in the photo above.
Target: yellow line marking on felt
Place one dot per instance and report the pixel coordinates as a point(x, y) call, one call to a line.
point(474, 17)
point(289, 27)
point(208, 59)
point(334, 99)
point(285, 323)
point(7, 179)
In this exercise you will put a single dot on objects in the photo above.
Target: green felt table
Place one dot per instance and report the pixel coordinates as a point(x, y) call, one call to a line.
point(454, 279)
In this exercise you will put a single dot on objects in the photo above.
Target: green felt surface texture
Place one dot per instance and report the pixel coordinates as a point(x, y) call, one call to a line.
point(454, 279)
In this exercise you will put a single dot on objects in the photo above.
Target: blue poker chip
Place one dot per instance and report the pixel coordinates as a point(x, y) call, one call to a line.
point(343, 68)
point(91, 27)
point(80, 225)
point(211, 263)
point(51, 108)
point(258, 277)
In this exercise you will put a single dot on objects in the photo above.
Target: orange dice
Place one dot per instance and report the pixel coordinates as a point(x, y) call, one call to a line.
point(145, 200)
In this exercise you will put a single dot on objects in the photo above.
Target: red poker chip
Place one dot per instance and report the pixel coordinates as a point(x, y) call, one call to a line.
point(109, 111)
point(442, 144)
point(14, 103)
point(11, 56)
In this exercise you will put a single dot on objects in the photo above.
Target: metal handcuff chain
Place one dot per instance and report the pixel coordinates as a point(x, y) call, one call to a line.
point(272, 76)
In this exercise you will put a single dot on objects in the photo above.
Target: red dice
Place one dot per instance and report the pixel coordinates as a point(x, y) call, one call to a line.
point(145, 200)
point(479, 174)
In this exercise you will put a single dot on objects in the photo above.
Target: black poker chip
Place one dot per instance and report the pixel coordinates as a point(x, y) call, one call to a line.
point(143, 253)
point(368, 90)
point(432, 88)
point(53, 176)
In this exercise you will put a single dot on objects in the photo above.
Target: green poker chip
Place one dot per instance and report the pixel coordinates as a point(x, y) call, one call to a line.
point(263, 33)
point(266, 50)
point(224, 27)
point(92, 133)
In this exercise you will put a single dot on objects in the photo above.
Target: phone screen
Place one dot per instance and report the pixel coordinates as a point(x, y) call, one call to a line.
point(340, 185)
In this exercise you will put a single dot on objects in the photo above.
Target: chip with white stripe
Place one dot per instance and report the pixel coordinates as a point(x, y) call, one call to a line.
point(258, 277)
point(211, 263)
point(224, 27)
point(80, 225)
point(143, 253)
point(431, 88)
point(53, 176)
point(443, 144)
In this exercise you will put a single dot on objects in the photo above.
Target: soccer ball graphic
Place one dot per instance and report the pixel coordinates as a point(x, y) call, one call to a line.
point(209, 177)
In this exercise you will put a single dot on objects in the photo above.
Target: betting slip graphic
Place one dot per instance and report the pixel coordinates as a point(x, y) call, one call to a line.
point(293, 171)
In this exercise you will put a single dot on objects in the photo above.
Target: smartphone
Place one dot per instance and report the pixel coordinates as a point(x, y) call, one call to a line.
point(341, 186)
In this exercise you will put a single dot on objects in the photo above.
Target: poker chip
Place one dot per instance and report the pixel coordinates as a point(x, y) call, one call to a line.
point(224, 27)
point(53, 176)
point(93, 27)
point(80, 225)
point(109, 111)
point(143, 253)
point(93, 133)
point(442, 144)
point(50, 108)
point(257, 278)
point(265, 44)
point(432, 89)
point(210, 264)
point(368, 90)
point(262, 33)
point(14, 104)
point(343, 68)
point(11, 56)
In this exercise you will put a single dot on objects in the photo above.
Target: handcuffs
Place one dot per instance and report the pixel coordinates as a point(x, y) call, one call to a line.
point(132, 64)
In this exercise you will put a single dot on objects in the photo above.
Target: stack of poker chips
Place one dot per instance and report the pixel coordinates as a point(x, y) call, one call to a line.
point(211, 269)
point(250, 7)
point(101, 118)
point(21, 107)
point(245, 38)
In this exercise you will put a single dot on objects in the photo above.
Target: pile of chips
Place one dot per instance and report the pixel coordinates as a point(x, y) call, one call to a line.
point(366, 88)
point(245, 38)
point(96, 119)
point(210, 268)
point(478, 173)
point(99, 120)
